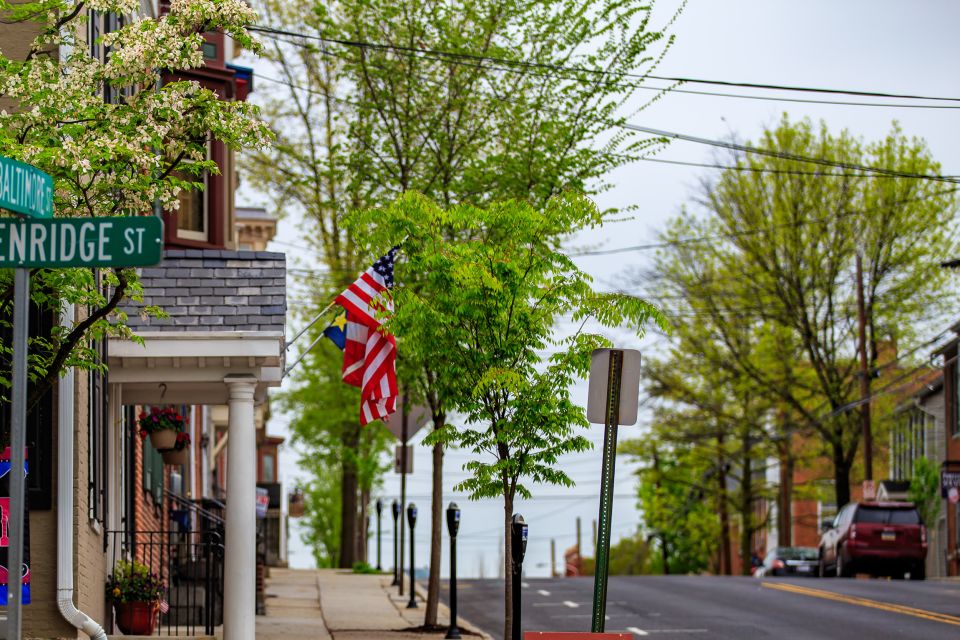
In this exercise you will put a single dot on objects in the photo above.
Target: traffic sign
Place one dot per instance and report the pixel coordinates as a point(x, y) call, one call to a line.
point(600, 383)
point(417, 417)
point(134, 241)
point(25, 189)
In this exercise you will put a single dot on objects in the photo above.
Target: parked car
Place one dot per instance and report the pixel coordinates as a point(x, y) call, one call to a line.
point(880, 538)
point(789, 561)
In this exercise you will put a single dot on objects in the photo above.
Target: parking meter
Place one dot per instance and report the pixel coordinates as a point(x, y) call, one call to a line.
point(518, 549)
point(412, 521)
point(453, 519)
point(395, 509)
point(453, 525)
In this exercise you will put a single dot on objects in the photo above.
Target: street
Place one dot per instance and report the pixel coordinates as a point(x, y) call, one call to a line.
point(727, 607)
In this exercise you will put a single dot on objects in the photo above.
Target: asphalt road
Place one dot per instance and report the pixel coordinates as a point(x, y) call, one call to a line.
point(727, 607)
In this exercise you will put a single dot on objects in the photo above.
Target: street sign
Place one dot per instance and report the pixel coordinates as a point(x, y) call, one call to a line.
point(134, 241)
point(398, 458)
point(25, 190)
point(263, 502)
point(949, 479)
point(417, 417)
point(869, 490)
point(629, 386)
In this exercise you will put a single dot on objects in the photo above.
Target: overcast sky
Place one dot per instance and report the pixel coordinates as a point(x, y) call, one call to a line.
point(867, 45)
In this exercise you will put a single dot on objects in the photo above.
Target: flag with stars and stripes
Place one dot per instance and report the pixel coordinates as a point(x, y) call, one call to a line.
point(370, 353)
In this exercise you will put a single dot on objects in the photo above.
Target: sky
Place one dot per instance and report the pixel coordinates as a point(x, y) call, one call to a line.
point(866, 45)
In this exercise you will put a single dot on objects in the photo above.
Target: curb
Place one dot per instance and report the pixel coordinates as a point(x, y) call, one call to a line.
point(462, 623)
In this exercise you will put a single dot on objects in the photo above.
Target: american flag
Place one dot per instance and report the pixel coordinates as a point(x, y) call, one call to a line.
point(370, 354)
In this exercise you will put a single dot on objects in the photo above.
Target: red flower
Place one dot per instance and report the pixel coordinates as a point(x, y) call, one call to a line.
point(143, 414)
point(143, 434)
point(154, 410)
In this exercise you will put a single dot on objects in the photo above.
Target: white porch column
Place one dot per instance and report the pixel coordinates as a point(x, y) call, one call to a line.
point(239, 602)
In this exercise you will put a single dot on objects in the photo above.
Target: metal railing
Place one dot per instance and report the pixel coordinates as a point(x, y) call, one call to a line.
point(188, 557)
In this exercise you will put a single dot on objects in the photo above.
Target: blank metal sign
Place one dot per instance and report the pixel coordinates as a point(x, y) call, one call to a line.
point(629, 386)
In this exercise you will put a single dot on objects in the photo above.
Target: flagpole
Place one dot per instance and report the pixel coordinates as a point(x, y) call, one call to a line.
point(307, 328)
point(302, 355)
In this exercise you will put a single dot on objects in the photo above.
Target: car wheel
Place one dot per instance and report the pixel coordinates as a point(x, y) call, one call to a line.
point(822, 566)
point(843, 568)
point(918, 571)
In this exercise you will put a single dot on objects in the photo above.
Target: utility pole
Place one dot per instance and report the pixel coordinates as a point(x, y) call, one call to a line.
point(579, 554)
point(864, 376)
point(553, 558)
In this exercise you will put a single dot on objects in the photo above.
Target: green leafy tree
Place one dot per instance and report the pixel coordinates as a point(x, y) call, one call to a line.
point(359, 125)
point(112, 137)
point(925, 490)
point(492, 284)
point(781, 262)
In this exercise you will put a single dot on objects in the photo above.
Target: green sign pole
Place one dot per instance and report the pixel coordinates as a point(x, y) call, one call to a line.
point(612, 418)
point(21, 316)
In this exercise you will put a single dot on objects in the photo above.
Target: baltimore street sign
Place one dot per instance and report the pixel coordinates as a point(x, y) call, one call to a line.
point(25, 190)
point(134, 241)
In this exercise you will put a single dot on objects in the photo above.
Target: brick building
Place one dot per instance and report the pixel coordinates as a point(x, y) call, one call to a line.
point(97, 492)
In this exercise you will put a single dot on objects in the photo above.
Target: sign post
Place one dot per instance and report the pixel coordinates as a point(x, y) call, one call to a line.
point(39, 240)
point(612, 399)
point(27, 191)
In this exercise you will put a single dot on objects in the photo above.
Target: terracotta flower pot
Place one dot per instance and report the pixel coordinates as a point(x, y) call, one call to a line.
point(296, 508)
point(136, 618)
point(175, 456)
point(164, 439)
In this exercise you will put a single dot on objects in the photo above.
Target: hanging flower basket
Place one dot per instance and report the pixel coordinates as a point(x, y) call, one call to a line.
point(296, 505)
point(162, 424)
point(175, 457)
point(179, 453)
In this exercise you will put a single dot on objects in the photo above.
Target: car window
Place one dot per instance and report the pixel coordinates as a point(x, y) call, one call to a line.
point(798, 553)
point(886, 515)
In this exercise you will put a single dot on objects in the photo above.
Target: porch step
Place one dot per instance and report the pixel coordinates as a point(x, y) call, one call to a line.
point(197, 637)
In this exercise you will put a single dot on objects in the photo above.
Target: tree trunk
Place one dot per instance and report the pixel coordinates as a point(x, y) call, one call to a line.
point(746, 507)
point(785, 497)
point(726, 562)
point(363, 530)
point(507, 570)
point(436, 529)
point(841, 476)
point(348, 497)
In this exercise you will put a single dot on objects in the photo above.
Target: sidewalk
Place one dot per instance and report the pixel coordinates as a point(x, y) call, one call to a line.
point(330, 604)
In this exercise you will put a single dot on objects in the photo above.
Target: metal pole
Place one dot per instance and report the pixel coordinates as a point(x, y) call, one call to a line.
point(453, 633)
point(864, 376)
point(553, 558)
point(379, 513)
point(396, 565)
point(21, 318)
point(412, 515)
point(612, 417)
point(403, 488)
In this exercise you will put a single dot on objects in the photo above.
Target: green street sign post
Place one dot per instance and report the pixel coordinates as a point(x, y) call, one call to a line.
point(25, 190)
point(39, 240)
point(611, 399)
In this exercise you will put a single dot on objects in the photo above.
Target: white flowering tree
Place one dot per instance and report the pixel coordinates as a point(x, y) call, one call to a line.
point(110, 157)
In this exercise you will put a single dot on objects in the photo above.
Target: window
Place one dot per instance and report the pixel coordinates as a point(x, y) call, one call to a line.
point(209, 51)
point(267, 471)
point(193, 215)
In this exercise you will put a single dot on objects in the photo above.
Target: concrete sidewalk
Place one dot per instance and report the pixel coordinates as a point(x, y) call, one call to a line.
point(330, 604)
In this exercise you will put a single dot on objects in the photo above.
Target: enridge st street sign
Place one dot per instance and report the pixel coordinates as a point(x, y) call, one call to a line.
point(25, 190)
point(81, 242)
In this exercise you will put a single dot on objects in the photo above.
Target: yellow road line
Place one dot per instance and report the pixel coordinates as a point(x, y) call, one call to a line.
point(864, 602)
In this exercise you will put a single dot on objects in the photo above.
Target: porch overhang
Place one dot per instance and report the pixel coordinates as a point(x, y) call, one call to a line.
point(184, 367)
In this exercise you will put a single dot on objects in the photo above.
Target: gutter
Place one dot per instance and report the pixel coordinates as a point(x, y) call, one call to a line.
point(65, 420)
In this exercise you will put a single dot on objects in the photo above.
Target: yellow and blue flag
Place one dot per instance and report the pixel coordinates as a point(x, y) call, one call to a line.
point(337, 331)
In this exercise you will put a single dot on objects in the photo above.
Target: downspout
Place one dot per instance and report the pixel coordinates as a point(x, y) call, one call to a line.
point(65, 420)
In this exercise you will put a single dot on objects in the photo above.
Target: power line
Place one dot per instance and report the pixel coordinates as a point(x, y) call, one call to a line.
point(785, 155)
point(785, 172)
point(782, 155)
point(527, 64)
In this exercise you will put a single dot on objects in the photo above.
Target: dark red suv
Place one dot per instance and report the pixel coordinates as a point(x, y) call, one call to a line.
point(881, 538)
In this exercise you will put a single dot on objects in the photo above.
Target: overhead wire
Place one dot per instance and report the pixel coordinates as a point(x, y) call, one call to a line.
point(533, 65)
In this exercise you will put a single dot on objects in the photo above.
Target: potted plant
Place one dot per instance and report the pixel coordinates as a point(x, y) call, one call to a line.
point(162, 424)
point(295, 505)
point(180, 452)
point(135, 592)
